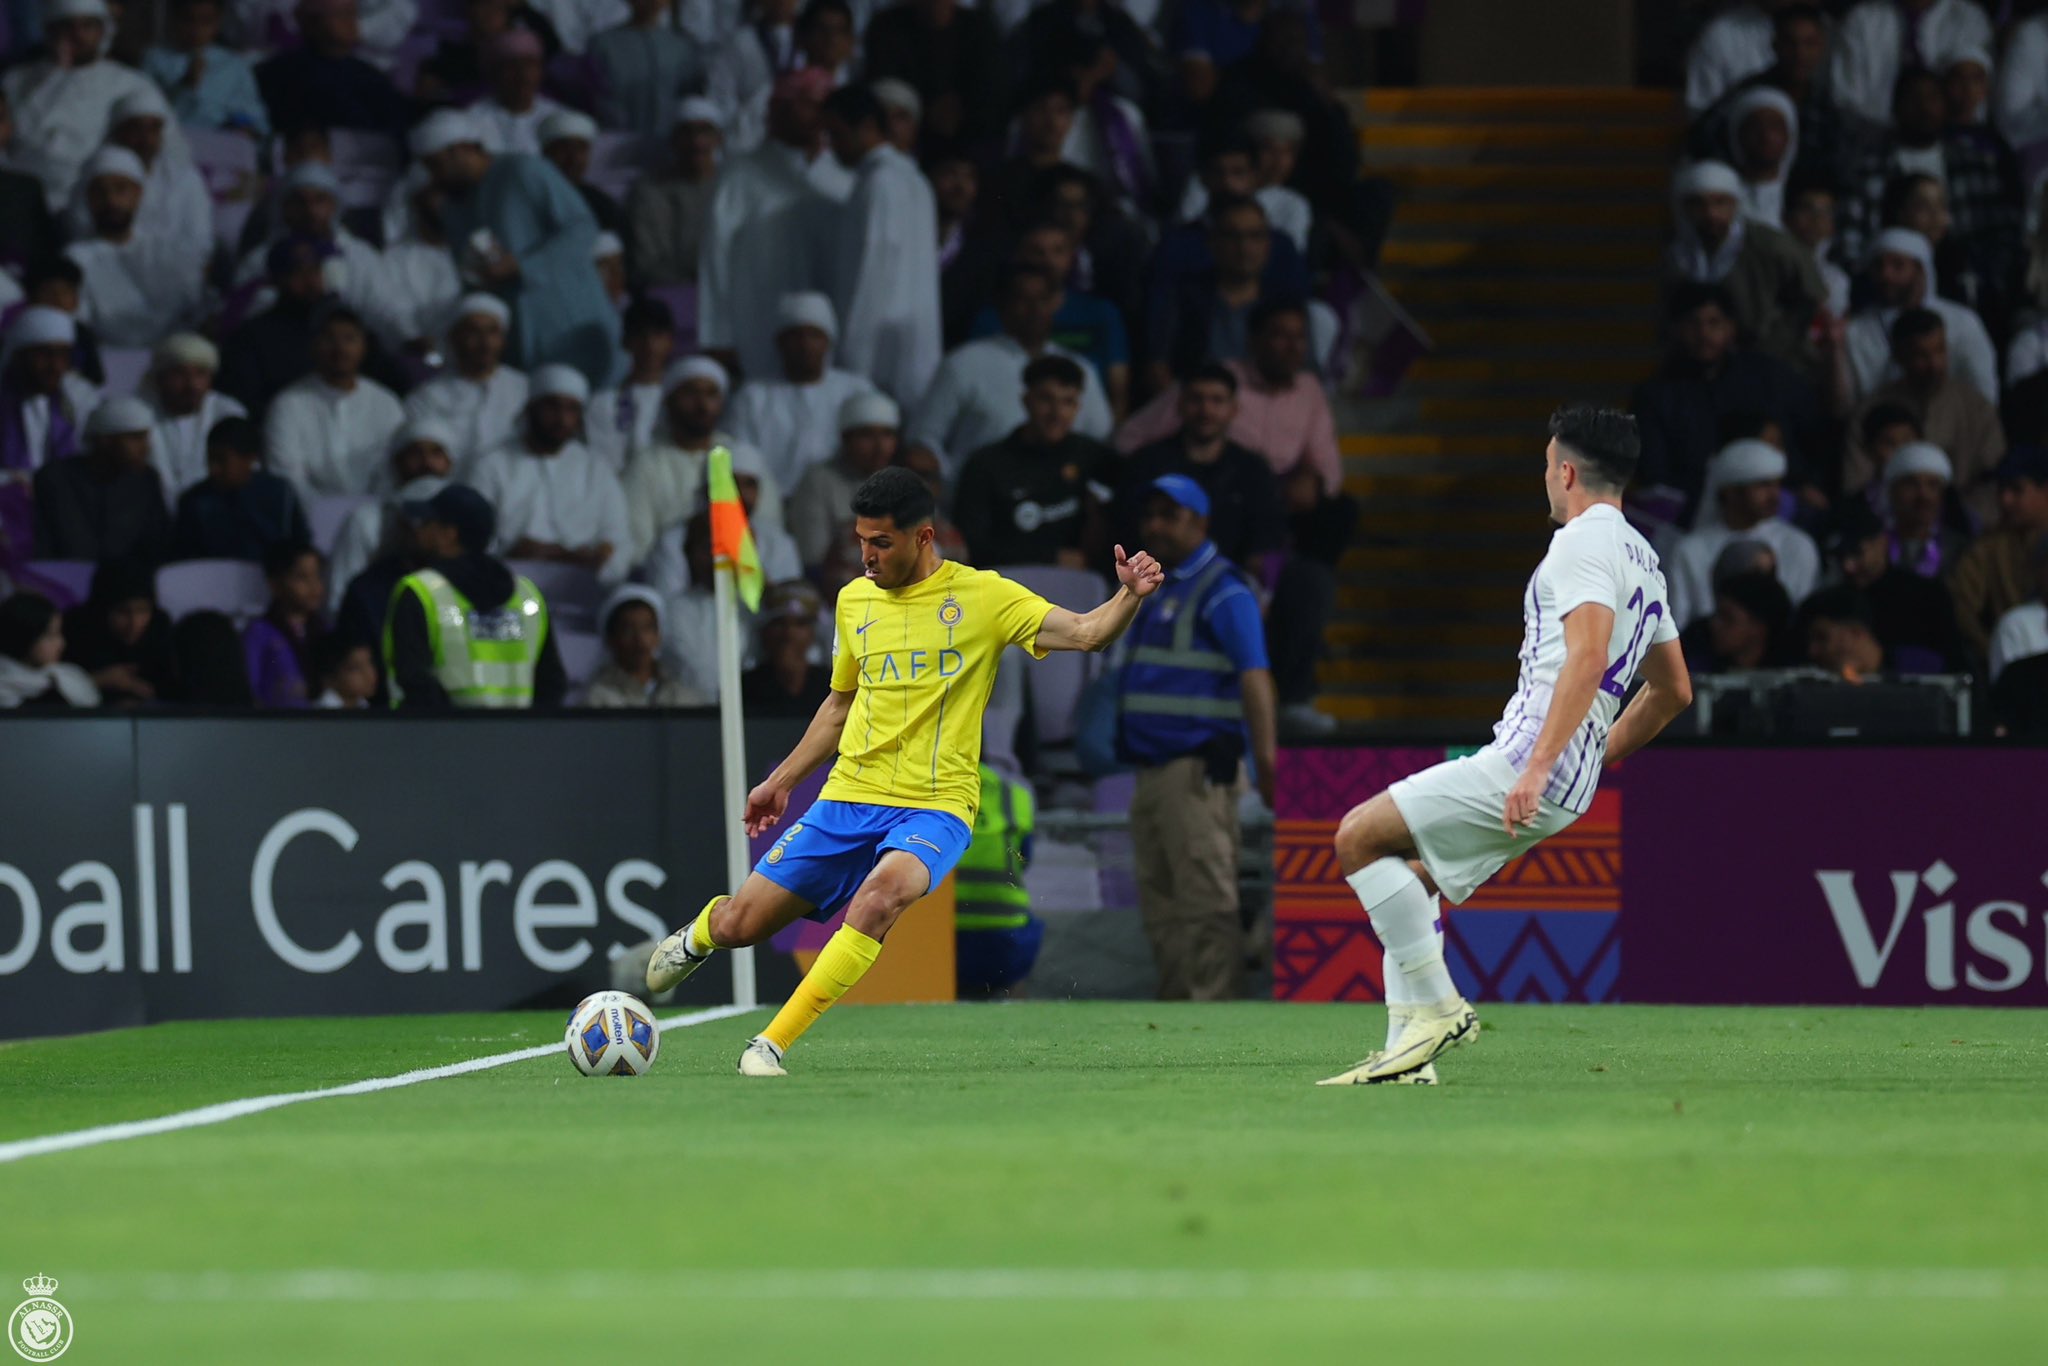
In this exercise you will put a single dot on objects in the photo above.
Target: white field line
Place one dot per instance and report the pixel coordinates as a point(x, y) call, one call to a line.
point(256, 1105)
point(1056, 1285)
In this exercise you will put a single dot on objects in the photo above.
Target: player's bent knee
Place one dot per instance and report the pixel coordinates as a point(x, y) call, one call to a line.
point(1356, 842)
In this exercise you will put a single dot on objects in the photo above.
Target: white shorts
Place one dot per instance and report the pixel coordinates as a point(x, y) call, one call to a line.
point(1454, 811)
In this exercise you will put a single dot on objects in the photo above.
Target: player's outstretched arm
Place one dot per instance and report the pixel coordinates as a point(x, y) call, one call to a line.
point(1586, 629)
point(1666, 691)
point(766, 803)
point(1137, 578)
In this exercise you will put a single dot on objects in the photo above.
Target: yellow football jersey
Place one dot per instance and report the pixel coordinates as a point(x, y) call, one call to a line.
point(920, 662)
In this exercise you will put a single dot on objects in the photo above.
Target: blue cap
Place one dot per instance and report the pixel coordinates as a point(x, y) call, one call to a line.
point(1185, 491)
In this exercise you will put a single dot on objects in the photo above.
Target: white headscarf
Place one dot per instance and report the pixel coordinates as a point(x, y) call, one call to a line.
point(1918, 457)
point(1736, 464)
point(1689, 256)
point(1764, 200)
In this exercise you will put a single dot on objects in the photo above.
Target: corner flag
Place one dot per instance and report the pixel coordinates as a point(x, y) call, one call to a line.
point(732, 540)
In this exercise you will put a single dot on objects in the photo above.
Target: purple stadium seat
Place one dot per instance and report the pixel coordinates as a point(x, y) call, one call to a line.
point(328, 515)
point(1057, 681)
point(126, 366)
point(368, 165)
point(573, 593)
point(64, 582)
point(681, 301)
point(619, 159)
point(227, 162)
point(235, 587)
point(582, 655)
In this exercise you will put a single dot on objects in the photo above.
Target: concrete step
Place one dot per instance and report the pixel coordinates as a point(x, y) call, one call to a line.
point(1433, 370)
point(1627, 182)
point(1402, 444)
point(1598, 260)
point(1382, 633)
point(1463, 712)
point(1492, 674)
point(1458, 485)
point(1548, 335)
point(1455, 143)
point(1529, 103)
point(1470, 298)
point(1644, 220)
point(1443, 600)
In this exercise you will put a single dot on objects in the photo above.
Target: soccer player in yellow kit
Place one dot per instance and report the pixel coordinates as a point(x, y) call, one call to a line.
point(914, 654)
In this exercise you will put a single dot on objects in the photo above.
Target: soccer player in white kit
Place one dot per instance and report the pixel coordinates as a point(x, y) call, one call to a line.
point(1595, 616)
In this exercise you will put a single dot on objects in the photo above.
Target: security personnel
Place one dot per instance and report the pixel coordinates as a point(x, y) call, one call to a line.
point(465, 631)
point(1194, 687)
point(996, 938)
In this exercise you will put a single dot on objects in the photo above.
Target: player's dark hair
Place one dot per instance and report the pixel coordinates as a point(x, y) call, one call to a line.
point(1604, 440)
point(237, 434)
point(897, 494)
point(1696, 294)
point(1210, 372)
point(1888, 415)
point(1054, 370)
point(855, 105)
point(1913, 324)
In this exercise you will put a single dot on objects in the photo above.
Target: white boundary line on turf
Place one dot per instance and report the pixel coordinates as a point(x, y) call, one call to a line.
point(256, 1105)
point(342, 1285)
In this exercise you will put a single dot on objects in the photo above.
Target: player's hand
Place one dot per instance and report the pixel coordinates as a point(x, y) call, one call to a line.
point(1139, 573)
point(765, 805)
point(1525, 799)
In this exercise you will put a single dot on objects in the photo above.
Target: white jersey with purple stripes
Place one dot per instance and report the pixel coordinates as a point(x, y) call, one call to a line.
point(1597, 557)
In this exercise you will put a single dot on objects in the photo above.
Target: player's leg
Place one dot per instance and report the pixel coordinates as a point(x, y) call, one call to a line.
point(1426, 1015)
point(915, 856)
point(752, 915)
point(1402, 1000)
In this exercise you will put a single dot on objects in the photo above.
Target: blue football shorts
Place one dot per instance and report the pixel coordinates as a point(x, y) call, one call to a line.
point(825, 856)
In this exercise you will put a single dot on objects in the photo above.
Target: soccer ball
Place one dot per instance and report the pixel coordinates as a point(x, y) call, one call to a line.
point(612, 1034)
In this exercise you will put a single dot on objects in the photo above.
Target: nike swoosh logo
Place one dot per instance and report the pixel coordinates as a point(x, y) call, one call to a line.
point(862, 628)
point(920, 839)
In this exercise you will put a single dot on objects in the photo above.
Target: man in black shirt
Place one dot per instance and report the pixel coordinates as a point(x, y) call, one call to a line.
point(1246, 519)
point(1036, 496)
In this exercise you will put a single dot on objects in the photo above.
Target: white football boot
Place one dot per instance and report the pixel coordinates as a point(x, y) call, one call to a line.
point(762, 1059)
point(672, 960)
point(1428, 1032)
point(1362, 1073)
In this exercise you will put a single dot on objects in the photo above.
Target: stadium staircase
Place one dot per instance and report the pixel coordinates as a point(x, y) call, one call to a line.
point(1526, 245)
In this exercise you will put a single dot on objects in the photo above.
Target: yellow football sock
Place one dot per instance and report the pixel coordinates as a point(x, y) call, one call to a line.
point(701, 942)
point(845, 960)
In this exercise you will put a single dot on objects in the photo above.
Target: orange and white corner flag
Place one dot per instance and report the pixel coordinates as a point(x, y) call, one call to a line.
point(732, 540)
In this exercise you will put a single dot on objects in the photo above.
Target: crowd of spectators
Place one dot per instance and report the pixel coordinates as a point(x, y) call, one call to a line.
point(1846, 445)
point(558, 250)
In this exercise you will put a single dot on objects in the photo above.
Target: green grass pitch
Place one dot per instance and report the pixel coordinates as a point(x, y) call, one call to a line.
point(1056, 1183)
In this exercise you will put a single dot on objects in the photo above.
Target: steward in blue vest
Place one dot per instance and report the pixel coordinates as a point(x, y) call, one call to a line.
point(1194, 693)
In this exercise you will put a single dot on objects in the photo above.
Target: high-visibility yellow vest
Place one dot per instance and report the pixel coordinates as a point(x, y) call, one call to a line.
point(988, 883)
point(483, 658)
